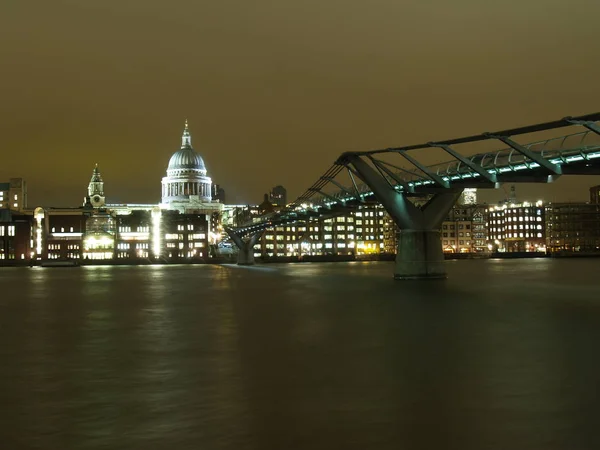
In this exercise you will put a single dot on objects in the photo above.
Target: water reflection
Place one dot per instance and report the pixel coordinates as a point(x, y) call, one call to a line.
point(500, 355)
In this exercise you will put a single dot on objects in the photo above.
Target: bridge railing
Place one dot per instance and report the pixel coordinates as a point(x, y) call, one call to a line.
point(557, 150)
point(508, 158)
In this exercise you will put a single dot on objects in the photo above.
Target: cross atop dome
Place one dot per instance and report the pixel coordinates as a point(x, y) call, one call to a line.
point(186, 139)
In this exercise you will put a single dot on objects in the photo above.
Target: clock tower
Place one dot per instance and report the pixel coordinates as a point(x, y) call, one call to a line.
point(95, 197)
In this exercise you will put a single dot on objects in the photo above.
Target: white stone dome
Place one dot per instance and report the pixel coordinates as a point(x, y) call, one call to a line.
point(187, 159)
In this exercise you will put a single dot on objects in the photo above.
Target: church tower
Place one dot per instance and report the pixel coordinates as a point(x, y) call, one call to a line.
point(95, 197)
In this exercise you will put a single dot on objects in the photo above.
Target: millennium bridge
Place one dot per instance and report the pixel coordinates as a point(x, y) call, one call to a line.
point(392, 176)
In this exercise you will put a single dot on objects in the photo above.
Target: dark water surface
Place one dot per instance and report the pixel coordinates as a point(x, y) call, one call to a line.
point(502, 355)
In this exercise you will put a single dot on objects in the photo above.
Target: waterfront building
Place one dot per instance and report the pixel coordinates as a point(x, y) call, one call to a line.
point(180, 228)
point(13, 194)
point(58, 232)
point(573, 227)
point(390, 235)
point(517, 227)
point(464, 230)
point(15, 236)
point(457, 236)
point(357, 231)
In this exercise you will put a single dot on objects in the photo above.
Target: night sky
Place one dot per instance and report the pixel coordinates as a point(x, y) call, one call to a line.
point(273, 90)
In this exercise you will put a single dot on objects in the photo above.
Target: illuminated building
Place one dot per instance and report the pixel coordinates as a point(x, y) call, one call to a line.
point(186, 236)
point(464, 230)
point(60, 232)
point(187, 188)
point(354, 232)
point(573, 227)
point(468, 197)
point(181, 228)
point(15, 236)
point(368, 230)
point(517, 227)
point(456, 236)
point(95, 197)
point(13, 194)
point(99, 236)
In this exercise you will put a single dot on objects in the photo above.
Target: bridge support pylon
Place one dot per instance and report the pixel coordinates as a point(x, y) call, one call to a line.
point(245, 247)
point(419, 252)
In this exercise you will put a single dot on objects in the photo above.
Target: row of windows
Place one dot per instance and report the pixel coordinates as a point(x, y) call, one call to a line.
point(516, 235)
point(514, 219)
point(463, 242)
point(368, 213)
point(173, 236)
point(59, 246)
point(8, 229)
point(461, 234)
point(62, 230)
point(16, 197)
point(189, 227)
point(191, 254)
point(460, 227)
point(514, 211)
point(516, 227)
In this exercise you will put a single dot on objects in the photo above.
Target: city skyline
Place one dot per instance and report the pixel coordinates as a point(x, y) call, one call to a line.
point(112, 83)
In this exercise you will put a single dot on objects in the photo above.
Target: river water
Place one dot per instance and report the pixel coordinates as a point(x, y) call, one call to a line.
point(501, 355)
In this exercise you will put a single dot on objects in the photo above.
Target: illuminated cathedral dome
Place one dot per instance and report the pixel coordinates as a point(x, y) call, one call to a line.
point(186, 178)
point(186, 158)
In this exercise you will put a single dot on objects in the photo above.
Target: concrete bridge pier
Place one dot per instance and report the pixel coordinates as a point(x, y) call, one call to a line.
point(419, 253)
point(245, 247)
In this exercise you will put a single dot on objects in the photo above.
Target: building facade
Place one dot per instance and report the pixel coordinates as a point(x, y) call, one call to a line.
point(15, 236)
point(573, 227)
point(13, 194)
point(517, 227)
